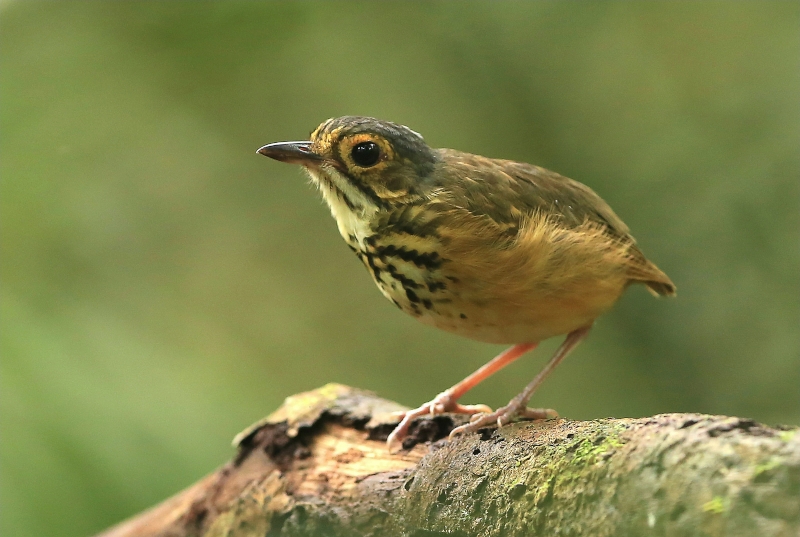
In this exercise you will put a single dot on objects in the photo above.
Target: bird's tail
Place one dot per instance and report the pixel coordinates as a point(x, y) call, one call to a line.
point(642, 270)
point(663, 287)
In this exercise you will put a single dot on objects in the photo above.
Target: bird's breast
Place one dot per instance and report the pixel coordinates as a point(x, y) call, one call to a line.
point(408, 272)
point(480, 287)
point(413, 275)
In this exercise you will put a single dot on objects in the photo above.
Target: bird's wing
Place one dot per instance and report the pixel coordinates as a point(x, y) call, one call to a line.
point(507, 191)
point(511, 192)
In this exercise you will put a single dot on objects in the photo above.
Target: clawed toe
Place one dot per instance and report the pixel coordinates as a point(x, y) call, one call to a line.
point(538, 413)
point(441, 404)
point(474, 410)
point(398, 415)
point(482, 416)
point(502, 416)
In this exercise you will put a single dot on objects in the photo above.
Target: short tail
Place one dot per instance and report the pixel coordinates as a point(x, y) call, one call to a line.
point(663, 287)
point(641, 270)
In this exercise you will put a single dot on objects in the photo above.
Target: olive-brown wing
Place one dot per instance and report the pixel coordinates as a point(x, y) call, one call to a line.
point(505, 190)
point(510, 192)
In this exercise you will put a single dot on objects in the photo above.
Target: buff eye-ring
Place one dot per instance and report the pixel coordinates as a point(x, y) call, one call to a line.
point(366, 154)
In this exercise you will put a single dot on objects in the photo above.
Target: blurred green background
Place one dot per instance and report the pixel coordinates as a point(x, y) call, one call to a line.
point(164, 286)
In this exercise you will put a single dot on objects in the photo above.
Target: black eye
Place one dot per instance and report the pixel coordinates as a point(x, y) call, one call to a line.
point(366, 154)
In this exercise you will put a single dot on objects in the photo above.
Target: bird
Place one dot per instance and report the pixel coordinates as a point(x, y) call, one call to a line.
point(494, 250)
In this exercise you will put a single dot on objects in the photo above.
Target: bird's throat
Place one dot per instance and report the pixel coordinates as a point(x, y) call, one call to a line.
point(351, 209)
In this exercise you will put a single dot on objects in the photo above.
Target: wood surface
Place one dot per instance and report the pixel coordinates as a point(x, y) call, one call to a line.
point(319, 466)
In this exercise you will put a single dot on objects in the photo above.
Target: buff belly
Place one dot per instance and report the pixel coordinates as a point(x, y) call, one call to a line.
point(481, 309)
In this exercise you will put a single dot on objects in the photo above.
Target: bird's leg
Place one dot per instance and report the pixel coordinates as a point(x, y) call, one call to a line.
point(447, 401)
point(518, 405)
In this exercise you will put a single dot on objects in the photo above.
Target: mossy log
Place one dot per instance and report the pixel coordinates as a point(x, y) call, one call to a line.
point(319, 466)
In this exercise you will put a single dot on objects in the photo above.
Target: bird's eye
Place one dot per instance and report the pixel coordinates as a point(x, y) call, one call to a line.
point(366, 154)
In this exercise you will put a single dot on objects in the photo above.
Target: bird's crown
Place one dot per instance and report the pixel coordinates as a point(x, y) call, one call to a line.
point(360, 143)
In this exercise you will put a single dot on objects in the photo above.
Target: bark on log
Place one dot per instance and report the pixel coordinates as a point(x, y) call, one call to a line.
point(319, 466)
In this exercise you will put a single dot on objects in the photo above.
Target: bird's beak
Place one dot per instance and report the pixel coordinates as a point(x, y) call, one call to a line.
point(291, 152)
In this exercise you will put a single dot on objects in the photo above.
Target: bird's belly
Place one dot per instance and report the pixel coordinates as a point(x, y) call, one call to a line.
point(434, 298)
point(498, 325)
point(482, 306)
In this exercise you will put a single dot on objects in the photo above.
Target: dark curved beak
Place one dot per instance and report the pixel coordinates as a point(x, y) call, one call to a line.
point(291, 152)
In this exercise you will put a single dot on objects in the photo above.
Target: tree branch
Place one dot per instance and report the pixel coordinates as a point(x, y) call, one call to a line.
point(319, 466)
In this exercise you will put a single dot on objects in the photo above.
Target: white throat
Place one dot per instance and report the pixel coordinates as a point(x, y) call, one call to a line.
point(353, 222)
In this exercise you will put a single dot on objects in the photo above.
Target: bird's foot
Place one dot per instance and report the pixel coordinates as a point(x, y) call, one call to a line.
point(442, 403)
point(503, 415)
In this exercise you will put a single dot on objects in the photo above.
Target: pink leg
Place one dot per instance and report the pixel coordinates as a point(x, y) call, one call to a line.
point(518, 405)
point(447, 401)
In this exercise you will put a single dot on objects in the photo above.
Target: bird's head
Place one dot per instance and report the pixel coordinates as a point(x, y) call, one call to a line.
point(361, 162)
